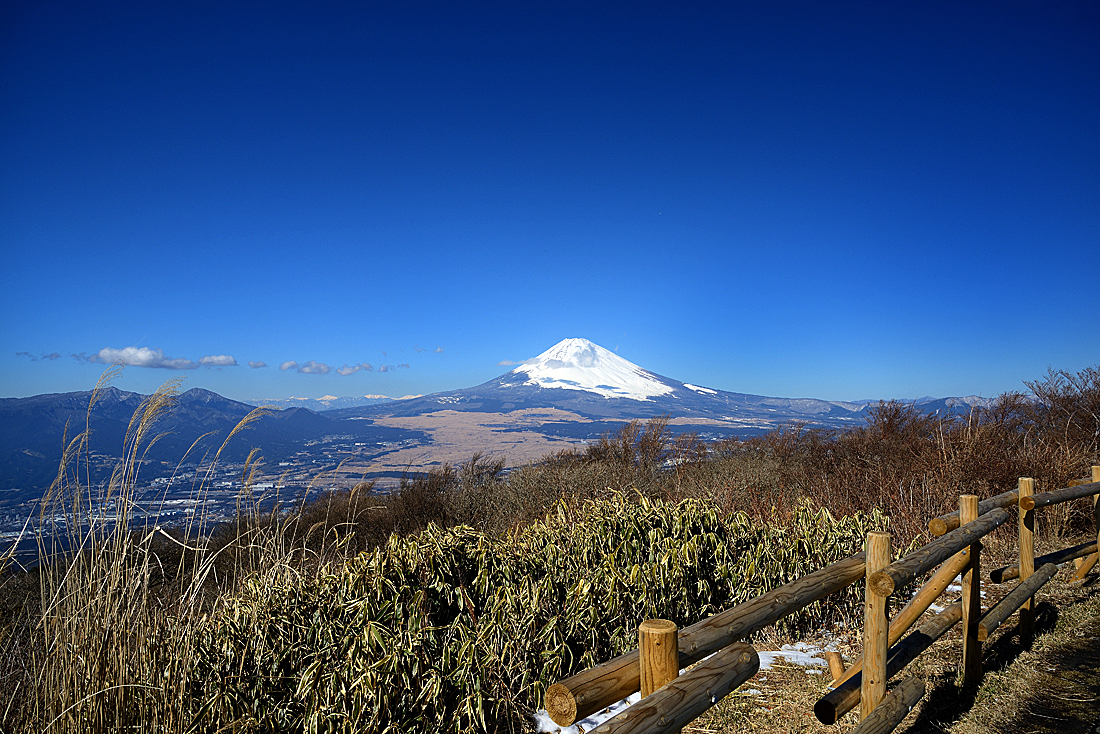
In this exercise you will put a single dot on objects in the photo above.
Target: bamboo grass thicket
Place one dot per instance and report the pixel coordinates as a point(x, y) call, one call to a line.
point(457, 630)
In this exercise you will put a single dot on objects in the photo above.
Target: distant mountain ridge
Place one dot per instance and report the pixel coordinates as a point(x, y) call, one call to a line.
point(575, 376)
point(33, 432)
point(582, 377)
point(327, 402)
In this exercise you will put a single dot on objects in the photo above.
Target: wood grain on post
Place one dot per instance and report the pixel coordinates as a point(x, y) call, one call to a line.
point(679, 702)
point(946, 523)
point(1058, 496)
point(971, 598)
point(1026, 566)
point(836, 664)
point(876, 628)
point(659, 656)
point(844, 697)
point(893, 708)
point(1073, 553)
point(1019, 596)
point(901, 572)
point(598, 687)
point(917, 606)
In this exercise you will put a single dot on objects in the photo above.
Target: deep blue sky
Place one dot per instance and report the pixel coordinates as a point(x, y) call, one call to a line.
point(842, 201)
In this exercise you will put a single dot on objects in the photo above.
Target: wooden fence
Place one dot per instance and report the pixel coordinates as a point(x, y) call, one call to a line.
point(670, 701)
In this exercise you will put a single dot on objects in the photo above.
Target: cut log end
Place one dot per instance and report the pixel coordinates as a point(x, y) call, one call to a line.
point(1002, 575)
point(937, 527)
point(881, 583)
point(1027, 503)
point(825, 711)
point(561, 705)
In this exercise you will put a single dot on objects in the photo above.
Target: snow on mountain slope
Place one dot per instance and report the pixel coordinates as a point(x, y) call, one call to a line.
point(578, 364)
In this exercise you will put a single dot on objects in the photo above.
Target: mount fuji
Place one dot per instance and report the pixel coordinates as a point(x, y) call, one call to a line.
point(581, 377)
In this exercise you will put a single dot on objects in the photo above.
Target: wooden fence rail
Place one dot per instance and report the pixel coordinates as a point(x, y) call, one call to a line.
point(946, 523)
point(599, 687)
point(886, 653)
point(1007, 573)
point(845, 696)
point(1007, 606)
point(904, 570)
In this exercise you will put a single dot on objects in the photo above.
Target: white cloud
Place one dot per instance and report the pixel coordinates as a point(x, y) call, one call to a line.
point(288, 365)
point(141, 357)
point(507, 363)
point(314, 368)
point(438, 350)
point(351, 369)
point(219, 360)
point(257, 365)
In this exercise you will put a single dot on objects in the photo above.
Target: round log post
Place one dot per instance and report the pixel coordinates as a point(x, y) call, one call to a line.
point(1085, 567)
point(659, 656)
point(679, 702)
point(1096, 503)
point(1087, 564)
point(917, 606)
point(598, 687)
point(971, 598)
point(842, 699)
point(876, 627)
point(836, 664)
point(1027, 554)
point(893, 708)
point(1019, 596)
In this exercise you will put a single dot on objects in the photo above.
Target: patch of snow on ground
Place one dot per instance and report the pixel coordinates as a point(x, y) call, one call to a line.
point(546, 724)
point(704, 390)
point(800, 653)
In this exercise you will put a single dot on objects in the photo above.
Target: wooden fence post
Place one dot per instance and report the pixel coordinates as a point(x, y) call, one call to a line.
point(971, 597)
point(836, 664)
point(875, 627)
point(1085, 565)
point(1027, 557)
point(659, 658)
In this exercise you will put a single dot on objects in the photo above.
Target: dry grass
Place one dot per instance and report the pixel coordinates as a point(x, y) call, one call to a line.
point(104, 644)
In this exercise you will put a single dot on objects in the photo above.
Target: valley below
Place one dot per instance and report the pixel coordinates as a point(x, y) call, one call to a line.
point(519, 437)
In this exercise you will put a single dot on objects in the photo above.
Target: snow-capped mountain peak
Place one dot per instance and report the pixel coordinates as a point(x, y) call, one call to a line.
point(578, 364)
